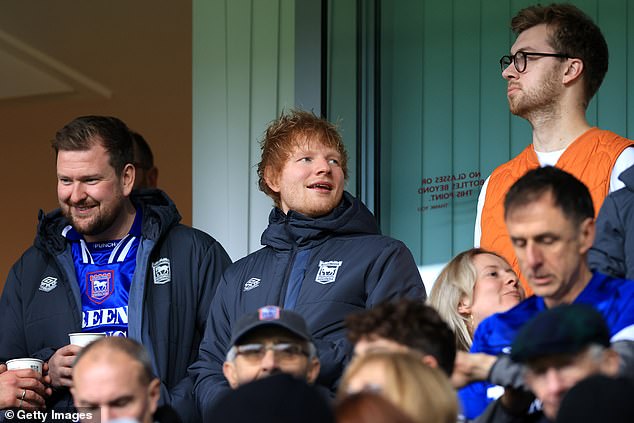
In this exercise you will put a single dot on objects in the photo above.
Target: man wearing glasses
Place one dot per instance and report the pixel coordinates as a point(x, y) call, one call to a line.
point(556, 65)
point(269, 341)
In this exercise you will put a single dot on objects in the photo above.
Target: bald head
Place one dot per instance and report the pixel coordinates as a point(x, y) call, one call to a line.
point(135, 352)
point(113, 376)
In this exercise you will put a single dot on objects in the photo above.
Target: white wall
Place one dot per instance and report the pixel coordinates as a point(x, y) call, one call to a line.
point(243, 76)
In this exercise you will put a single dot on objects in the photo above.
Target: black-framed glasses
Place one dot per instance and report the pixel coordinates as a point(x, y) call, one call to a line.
point(282, 351)
point(519, 59)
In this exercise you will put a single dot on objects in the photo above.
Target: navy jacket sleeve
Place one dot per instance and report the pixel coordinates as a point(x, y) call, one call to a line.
point(209, 380)
point(19, 304)
point(12, 340)
point(607, 255)
point(211, 263)
point(393, 276)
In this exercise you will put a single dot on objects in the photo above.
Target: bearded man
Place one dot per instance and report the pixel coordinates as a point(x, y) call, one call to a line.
point(112, 261)
point(555, 67)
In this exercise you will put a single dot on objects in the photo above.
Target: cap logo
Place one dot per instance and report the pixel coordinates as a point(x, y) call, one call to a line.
point(269, 313)
point(327, 272)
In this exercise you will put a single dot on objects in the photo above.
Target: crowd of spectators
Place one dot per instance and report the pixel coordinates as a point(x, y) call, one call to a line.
point(329, 321)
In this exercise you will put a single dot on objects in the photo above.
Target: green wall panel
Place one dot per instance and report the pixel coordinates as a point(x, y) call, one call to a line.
point(342, 72)
point(629, 84)
point(465, 117)
point(406, 76)
point(437, 128)
point(612, 97)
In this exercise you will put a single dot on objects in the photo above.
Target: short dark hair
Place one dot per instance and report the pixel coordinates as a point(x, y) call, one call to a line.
point(130, 347)
point(410, 323)
point(574, 34)
point(281, 138)
point(568, 193)
point(143, 156)
point(84, 132)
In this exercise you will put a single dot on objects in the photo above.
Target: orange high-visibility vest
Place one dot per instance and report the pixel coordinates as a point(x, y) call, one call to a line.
point(590, 158)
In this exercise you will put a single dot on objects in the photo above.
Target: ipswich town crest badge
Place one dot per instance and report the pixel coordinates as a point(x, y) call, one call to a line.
point(162, 271)
point(100, 285)
point(327, 272)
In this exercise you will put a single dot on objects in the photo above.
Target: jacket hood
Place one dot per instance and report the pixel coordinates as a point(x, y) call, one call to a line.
point(159, 215)
point(294, 229)
point(49, 231)
point(159, 212)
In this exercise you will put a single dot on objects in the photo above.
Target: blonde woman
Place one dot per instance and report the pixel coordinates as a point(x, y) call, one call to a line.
point(422, 392)
point(472, 286)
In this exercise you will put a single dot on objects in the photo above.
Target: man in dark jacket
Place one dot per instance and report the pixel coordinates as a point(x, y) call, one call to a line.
point(613, 249)
point(323, 255)
point(108, 261)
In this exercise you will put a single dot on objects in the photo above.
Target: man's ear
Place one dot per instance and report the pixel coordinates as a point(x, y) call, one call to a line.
point(127, 178)
point(272, 179)
point(586, 235)
point(611, 362)
point(313, 370)
point(229, 370)
point(154, 393)
point(430, 361)
point(464, 306)
point(574, 69)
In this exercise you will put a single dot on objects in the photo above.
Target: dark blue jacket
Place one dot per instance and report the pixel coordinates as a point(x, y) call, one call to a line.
point(344, 265)
point(613, 249)
point(167, 318)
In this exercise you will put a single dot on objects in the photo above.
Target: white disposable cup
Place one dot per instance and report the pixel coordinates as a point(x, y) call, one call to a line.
point(25, 363)
point(84, 338)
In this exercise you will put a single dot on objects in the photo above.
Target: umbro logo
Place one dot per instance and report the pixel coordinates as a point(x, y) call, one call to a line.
point(251, 284)
point(48, 284)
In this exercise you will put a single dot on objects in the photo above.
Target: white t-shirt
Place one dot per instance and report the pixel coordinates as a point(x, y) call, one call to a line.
point(624, 161)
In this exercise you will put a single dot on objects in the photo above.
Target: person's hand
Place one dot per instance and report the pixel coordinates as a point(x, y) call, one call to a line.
point(471, 367)
point(60, 366)
point(46, 379)
point(22, 389)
